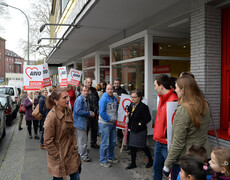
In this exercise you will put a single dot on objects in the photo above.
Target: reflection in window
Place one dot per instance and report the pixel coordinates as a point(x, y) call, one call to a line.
point(131, 75)
point(89, 62)
point(89, 73)
point(104, 60)
point(129, 51)
point(104, 74)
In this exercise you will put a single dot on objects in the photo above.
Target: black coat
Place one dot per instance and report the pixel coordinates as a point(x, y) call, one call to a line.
point(141, 115)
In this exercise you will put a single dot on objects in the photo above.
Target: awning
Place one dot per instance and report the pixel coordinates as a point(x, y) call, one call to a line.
point(108, 21)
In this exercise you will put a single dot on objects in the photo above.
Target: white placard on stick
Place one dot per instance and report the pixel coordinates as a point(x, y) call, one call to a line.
point(74, 77)
point(62, 76)
point(33, 77)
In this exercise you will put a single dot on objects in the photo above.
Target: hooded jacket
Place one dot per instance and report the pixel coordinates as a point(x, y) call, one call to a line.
point(161, 117)
point(108, 109)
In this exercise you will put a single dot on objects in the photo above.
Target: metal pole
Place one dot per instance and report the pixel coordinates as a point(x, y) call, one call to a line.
point(28, 40)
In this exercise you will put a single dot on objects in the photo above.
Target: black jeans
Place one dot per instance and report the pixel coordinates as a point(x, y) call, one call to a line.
point(134, 154)
point(93, 127)
point(29, 125)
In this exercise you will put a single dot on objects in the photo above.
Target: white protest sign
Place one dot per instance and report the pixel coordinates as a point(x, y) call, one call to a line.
point(62, 76)
point(171, 107)
point(125, 100)
point(74, 77)
point(46, 77)
point(33, 77)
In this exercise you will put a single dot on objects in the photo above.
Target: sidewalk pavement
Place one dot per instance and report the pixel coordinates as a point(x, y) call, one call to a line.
point(26, 161)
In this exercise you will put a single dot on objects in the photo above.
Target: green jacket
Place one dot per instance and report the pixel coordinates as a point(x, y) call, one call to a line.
point(185, 134)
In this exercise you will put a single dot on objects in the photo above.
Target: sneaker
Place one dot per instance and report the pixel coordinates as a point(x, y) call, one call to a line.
point(30, 137)
point(20, 129)
point(114, 160)
point(86, 159)
point(106, 164)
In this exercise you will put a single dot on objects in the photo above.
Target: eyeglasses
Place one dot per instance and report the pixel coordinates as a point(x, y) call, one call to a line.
point(134, 97)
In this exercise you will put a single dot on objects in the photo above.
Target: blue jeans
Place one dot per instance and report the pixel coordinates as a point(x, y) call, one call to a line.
point(160, 155)
point(42, 135)
point(108, 141)
point(74, 176)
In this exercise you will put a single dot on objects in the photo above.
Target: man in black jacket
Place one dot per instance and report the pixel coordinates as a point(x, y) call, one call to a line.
point(93, 122)
point(119, 90)
point(117, 87)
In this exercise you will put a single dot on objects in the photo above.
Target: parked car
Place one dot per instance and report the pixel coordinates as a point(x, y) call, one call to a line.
point(13, 91)
point(2, 122)
point(10, 108)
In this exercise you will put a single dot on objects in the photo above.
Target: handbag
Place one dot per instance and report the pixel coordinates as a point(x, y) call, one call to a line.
point(22, 108)
point(36, 114)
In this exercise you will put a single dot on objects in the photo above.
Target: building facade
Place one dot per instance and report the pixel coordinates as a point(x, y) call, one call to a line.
point(13, 62)
point(136, 40)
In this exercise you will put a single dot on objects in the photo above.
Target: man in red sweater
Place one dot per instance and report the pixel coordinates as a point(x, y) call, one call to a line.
point(166, 94)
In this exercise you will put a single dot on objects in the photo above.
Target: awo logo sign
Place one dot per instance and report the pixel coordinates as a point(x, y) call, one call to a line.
point(75, 74)
point(32, 72)
point(62, 71)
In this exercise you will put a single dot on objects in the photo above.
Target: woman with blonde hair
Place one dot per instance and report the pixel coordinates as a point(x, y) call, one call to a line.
point(59, 137)
point(190, 124)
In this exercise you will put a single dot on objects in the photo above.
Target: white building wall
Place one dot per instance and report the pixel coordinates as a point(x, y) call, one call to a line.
point(206, 53)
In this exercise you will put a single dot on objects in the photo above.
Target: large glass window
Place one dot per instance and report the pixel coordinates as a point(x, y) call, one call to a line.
point(177, 47)
point(128, 51)
point(172, 52)
point(131, 75)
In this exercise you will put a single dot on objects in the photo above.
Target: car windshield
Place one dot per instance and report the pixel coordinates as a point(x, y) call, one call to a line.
point(3, 101)
point(7, 90)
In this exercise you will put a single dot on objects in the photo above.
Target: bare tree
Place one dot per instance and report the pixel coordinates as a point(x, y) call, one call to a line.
point(4, 15)
point(39, 14)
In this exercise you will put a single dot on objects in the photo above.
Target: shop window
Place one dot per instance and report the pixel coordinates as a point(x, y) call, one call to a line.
point(173, 52)
point(131, 75)
point(128, 51)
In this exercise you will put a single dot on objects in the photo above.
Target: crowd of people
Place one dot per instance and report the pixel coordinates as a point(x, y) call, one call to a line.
point(68, 114)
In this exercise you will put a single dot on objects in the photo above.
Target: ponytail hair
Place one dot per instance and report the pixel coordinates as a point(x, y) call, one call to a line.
point(56, 94)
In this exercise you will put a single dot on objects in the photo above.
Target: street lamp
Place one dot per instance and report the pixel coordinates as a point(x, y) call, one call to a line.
point(28, 41)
